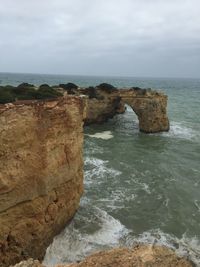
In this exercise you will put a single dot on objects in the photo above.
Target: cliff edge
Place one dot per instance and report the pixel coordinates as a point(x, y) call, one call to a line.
point(139, 256)
point(41, 173)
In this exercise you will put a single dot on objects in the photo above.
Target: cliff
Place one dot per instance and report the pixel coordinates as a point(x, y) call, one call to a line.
point(149, 106)
point(41, 173)
point(104, 101)
point(140, 256)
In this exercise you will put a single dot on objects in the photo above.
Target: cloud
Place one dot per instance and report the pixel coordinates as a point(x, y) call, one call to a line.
point(112, 37)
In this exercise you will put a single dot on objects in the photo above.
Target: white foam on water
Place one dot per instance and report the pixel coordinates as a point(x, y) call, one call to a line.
point(178, 130)
point(105, 135)
point(184, 247)
point(72, 245)
point(197, 204)
point(99, 169)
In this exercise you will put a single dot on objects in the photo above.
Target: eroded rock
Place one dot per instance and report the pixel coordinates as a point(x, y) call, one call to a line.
point(149, 106)
point(41, 174)
point(140, 256)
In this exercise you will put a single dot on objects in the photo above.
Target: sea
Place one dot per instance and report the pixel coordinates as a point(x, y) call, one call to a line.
point(139, 188)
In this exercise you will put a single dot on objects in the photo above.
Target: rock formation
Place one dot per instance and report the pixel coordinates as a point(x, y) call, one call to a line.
point(104, 102)
point(149, 106)
point(41, 165)
point(140, 256)
point(41, 173)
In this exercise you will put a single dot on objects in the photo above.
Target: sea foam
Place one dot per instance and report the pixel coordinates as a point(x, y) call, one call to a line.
point(105, 135)
point(178, 130)
point(74, 244)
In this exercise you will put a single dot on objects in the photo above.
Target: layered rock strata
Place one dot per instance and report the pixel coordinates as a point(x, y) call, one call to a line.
point(150, 107)
point(41, 174)
point(140, 256)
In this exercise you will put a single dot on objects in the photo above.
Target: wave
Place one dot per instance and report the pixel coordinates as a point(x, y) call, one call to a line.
point(105, 135)
point(97, 230)
point(97, 167)
point(85, 235)
point(178, 130)
point(188, 247)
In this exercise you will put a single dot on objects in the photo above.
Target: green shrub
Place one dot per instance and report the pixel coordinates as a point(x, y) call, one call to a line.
point(46, 92)
point(24, 91)
point(107, 87)
point(69, 87)
point(6, 96)
point(91, 92)
point(25, 85)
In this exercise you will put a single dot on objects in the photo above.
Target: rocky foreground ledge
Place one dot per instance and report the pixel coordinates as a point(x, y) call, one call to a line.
point(140, 256)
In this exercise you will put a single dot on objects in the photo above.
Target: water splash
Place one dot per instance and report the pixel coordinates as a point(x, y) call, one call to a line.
point(84, 236)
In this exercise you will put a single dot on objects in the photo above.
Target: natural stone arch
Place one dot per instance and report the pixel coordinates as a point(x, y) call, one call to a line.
point(149, 108)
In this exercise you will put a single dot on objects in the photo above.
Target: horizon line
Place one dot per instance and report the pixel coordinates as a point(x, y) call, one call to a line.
point(99, 75)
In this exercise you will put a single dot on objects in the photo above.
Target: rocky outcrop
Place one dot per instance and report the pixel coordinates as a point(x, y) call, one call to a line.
point(41, 173)
point(149, 106)
point(99, 111)
point(140, 256)
point(104, 101)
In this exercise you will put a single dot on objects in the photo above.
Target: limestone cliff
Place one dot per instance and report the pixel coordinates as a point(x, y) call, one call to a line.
point(150, 106)
point(41, 173)
point(99, 111)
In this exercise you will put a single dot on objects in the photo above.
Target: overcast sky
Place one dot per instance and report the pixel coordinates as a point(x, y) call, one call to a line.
point(101, 37)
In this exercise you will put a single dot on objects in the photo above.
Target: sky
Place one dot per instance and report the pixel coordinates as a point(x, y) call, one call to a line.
point(148, 38)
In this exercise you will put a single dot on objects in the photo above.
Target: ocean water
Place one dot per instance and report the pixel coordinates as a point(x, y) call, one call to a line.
point(138, 188)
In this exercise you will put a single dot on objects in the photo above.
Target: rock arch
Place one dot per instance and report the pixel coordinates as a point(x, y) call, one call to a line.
point(150, 108)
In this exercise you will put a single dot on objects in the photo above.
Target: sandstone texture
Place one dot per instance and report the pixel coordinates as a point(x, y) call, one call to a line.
point(140, 256)
point(41, 173)
point(99, 111)
point(150, 107)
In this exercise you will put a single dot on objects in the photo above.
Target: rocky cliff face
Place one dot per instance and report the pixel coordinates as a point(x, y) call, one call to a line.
point(140, 256)
point(41, 174)
point(150, 106)
point(99, 111)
